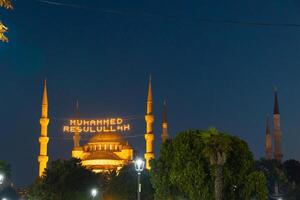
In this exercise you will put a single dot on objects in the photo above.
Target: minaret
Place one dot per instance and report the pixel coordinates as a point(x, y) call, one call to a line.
point(149, 136)
point(277, 130)
point(76, 137)
point(164, 135)
point(77, 149)
point(268, 142)
point(44, 121)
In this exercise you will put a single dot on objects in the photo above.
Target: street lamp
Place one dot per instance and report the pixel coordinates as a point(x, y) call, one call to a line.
point(94, 192)
point(139, 167)
point(2, 177)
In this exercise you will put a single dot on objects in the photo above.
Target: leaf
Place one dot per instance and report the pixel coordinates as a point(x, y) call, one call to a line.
point(3, 30)
point(6, 4)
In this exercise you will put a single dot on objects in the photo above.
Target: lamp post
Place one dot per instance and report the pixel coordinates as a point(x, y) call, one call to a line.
point(139, 167)
point(94, 192)
point(2, 177)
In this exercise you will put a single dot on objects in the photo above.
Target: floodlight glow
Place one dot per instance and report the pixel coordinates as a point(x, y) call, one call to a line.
point(94, 192)
point(139, 165)
point(2, 177)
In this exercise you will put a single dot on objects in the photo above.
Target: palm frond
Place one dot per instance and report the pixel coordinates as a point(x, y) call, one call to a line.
point(6, 4)
point(3, 30)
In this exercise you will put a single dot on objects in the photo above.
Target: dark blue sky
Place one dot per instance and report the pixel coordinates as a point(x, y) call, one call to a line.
point(212, 74)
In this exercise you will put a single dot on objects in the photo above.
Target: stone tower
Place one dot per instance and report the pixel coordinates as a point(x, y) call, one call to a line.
point(268, 142)
point(277, 130)
point(44, 121)
point(149, 135)
point(164, 135)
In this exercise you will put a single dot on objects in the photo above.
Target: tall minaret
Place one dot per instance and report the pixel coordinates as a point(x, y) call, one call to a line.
point(77, 151)
point(76, 137)
point(149, 136)
point(268, 142)
point(164, 135)
point(44, 121)
point(277, 130)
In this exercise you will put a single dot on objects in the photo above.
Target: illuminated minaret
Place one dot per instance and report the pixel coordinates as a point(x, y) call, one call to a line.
point(164, 135)
point(76, 137)
point(77, 149)
point(149, 136)
point(44, 121)
point(268, 142)
point(277, 130)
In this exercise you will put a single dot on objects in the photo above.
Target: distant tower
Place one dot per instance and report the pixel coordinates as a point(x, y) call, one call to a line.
point(164, 135)
point(149, 136)
point(77, 149)
point(76, 137)
point(277, 130)
point(268, 144)
point(44, 121)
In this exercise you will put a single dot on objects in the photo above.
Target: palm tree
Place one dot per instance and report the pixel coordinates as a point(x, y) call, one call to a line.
point(3, 29)
point(216, 148)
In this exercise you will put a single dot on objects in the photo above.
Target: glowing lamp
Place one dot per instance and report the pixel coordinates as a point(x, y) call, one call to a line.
point(139, 165)
point(2, 177)
point(94, 192)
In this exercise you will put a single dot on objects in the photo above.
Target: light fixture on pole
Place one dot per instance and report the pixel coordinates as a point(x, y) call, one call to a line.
point(94, 192)
point(2, 177)
point(139, 167)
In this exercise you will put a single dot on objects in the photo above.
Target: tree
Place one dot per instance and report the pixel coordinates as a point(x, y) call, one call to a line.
point(184, 171)
point(3, 29)
point(216, 150)
point(274, 173)
point(292, 169)
point(255, 186)
point(6, 189)
point(123, 186)
point(64, 180)
point(5, 169)
point(9, 193)
point(160, 174)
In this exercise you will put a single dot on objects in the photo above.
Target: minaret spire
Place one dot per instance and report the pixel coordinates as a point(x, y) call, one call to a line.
point(77, 151)
point(149, 136)
point(268, 142)
point(276, 104)
point(149, 97)
point(43, 139)
point(76, 137)
point(45, 101)
point(164, 135)
point(277, 130)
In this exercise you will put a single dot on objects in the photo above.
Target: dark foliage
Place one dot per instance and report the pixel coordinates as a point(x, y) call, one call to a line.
point(184, 169)
point(65, 180)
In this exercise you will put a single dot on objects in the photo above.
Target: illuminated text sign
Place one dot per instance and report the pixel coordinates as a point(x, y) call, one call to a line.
point(96, 125)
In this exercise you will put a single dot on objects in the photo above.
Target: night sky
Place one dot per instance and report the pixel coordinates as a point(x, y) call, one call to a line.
point(102, 53)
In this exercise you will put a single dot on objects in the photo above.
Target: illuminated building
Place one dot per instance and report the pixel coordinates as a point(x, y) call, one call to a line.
point(107, 149)
point(277, 130)
point(149, 135)
point(164, 135)
point(104, 151)
point(277, 154)
point(44, 121)
point(268, 142)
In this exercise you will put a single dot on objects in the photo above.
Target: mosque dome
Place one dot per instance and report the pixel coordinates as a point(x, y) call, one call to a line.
point(106, 151)
point(106, 137)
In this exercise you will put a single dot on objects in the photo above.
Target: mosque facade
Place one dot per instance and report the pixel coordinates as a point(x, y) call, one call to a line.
point(104, 151)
